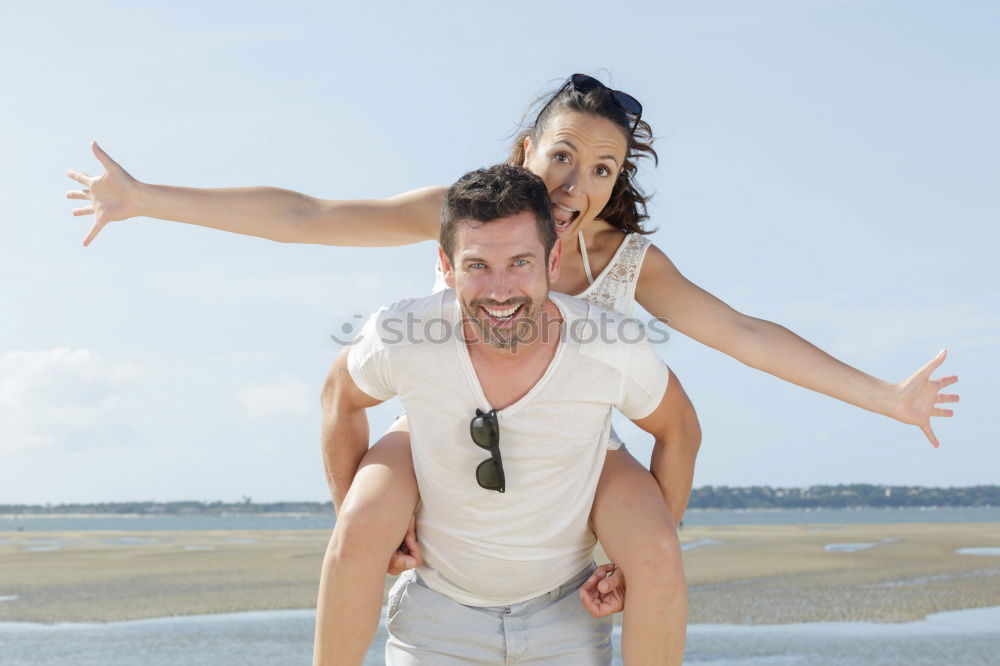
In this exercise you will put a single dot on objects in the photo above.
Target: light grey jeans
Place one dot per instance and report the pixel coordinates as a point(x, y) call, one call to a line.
point(428, 628)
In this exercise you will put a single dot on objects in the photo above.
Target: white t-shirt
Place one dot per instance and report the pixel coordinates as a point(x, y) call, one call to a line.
point(482, 547)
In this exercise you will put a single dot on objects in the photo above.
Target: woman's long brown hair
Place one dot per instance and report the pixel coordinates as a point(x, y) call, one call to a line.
point(626, 209)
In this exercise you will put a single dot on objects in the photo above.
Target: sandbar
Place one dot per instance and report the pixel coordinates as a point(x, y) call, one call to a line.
point(754, 574)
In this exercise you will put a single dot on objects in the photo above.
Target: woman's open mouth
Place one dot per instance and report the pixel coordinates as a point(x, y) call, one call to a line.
point(564, 215)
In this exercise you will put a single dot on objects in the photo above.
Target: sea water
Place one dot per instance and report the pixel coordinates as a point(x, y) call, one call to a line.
point(693, 517)
point(279, 638)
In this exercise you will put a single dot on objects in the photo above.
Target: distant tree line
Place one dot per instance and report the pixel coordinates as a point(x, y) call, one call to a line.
point(856, 495)
point(707, 497)
point(186, 508)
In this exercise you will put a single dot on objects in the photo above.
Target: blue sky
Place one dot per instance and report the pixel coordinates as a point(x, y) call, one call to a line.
point(828, 165)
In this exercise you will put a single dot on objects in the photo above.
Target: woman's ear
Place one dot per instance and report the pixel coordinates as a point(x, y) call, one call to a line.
point(529, 149)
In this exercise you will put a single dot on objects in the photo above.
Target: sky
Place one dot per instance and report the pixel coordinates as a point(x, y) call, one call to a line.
point(828, 165)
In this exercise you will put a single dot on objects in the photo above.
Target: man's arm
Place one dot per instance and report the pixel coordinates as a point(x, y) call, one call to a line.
point(675, 427)
point(344, 432)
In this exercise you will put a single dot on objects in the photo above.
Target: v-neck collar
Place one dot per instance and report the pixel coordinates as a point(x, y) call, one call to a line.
point(470, 370)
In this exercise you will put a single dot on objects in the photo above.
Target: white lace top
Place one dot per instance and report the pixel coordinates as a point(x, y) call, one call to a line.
point(614, 288)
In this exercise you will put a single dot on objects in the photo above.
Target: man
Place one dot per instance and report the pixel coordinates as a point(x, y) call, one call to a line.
point(508, 390)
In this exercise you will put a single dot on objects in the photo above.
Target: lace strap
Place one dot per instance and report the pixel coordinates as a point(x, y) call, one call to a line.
point(586, 259)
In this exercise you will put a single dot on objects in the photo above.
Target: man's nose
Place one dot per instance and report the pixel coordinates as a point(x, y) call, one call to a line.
point(500, 288)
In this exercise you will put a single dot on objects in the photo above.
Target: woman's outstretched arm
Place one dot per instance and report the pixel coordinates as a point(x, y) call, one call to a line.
point(268, 212)
point(767, 346)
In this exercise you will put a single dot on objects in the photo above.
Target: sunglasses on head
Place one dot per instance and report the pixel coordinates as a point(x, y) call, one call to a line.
point(584, 83)
point(485, 430)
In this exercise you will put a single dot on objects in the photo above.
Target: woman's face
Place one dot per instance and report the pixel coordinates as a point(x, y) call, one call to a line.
point(578, 156)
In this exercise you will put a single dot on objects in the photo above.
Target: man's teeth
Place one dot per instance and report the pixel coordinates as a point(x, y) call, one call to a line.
point(502, 314)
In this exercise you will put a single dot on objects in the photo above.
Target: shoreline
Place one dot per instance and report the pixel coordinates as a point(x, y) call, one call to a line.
point(963, 621)
point(737, 574)
point(295, 514)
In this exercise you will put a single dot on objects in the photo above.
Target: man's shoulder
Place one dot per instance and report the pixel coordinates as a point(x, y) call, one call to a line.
point(398, 322)
point(421, 305)
point(601, 333)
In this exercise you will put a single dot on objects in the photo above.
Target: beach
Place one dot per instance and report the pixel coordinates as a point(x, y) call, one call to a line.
point(753, 574)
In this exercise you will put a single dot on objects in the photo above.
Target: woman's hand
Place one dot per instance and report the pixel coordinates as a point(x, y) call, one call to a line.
point(113, 195)
point(917, 396)
point(604, 592)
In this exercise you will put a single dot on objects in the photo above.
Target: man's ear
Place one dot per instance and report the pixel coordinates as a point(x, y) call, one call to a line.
point(444, 263)
point(555, 256)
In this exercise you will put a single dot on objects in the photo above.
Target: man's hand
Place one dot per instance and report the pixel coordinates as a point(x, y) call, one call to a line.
point(604, 592)
point(407, 556)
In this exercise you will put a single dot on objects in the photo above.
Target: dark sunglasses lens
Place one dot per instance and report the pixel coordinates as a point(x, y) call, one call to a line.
point(627, 102)
point(488, 475)
point(482, 433)
point(585, 83)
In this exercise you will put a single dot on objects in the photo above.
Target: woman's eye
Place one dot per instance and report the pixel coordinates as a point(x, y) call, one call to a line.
point(603, 171)
point(561, 157)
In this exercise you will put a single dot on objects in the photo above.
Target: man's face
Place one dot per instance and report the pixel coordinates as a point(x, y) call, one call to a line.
point(501, 277)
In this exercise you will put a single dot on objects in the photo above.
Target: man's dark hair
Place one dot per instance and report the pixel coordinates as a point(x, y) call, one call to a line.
point(485, 195)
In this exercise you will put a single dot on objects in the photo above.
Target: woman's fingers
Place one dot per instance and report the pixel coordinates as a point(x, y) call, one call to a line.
point(946, 381)
point(934, 363)
point(89, 210)
point(947, 397)
point(930, 435)
point(78, 194)
point(942, 412)
point(80, 177)
point(102, 156)
point(94, 230)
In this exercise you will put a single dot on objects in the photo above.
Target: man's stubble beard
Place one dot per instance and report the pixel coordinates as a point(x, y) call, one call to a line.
point(525, 328)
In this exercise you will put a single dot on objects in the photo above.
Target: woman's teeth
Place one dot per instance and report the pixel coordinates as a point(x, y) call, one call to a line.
point(562, 224)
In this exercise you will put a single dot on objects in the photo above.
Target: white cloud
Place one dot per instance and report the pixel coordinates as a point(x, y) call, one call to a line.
point(285, 396)
point(60, 396)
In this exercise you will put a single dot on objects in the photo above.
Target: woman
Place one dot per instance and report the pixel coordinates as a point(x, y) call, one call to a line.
point(583, 143)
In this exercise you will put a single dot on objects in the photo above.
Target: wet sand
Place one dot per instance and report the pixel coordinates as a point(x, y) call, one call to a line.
point(755, 574)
